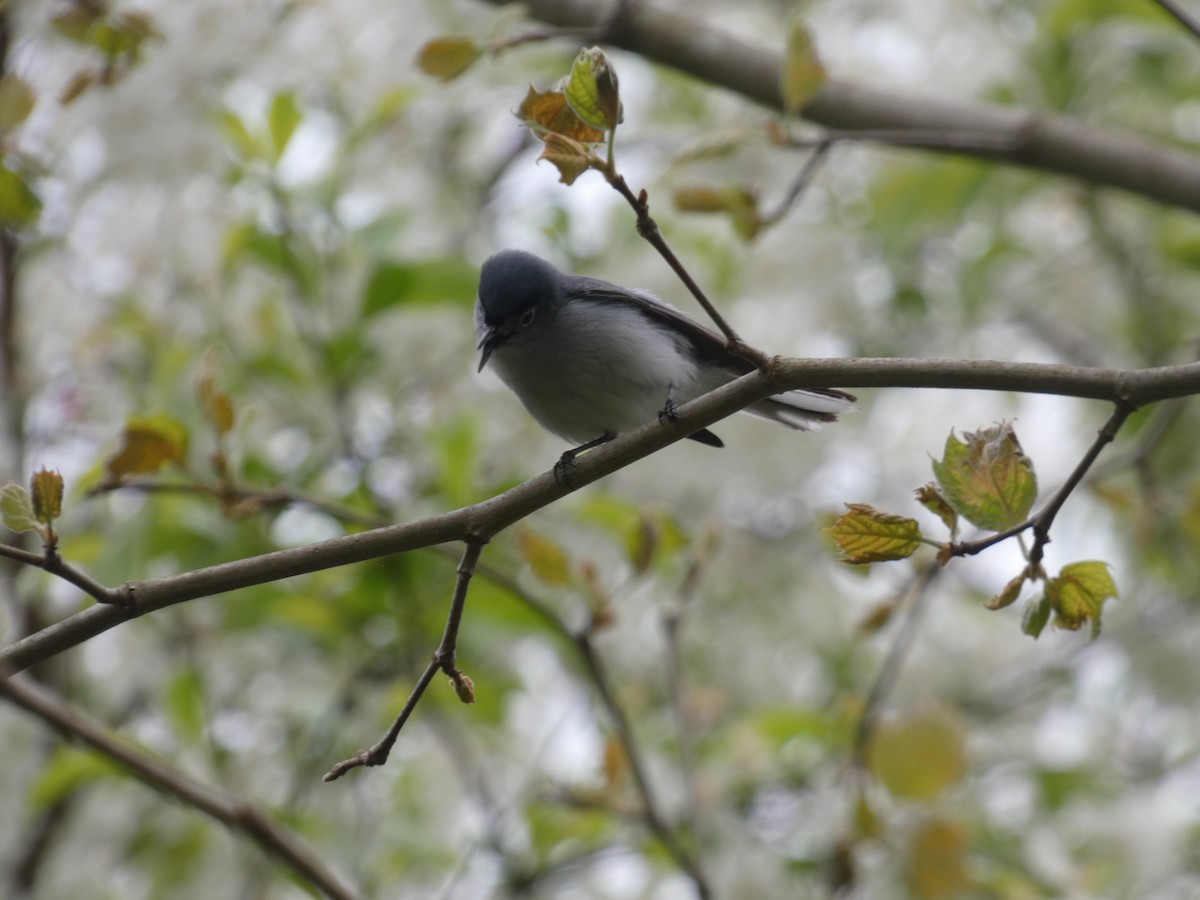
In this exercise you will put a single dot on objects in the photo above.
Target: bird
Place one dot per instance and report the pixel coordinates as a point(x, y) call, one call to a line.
point(590, 359)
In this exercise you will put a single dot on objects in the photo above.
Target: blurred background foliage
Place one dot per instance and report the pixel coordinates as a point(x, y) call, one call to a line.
point(274, 198)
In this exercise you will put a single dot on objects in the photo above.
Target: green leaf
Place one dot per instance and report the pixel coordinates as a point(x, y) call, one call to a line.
point(1078, 594)
point(393, 283)
point(938, 858)
point(802, 74)
point(918, 757)
point(16, 508)
point(1037, 614)
point(931, 498)
point(739, 203)
point(1070, 15)
point(592, 90)
point(547, 112)
point(77, 21)
point(239, 135)
point(547, 559)
point(147, 444)
point(16, 102)
point(46, 492)
point(570, 157)
point(68, 770)
point(987, 478)
point(20, 206)
point(1008, 596)
point(282, 120)
point(273, 251)
point(185, 704)
point(447, 58)
point(867, 535)
point(216, 404)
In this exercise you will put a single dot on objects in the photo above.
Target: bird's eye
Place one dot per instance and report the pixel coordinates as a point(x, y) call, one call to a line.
point(527, 317)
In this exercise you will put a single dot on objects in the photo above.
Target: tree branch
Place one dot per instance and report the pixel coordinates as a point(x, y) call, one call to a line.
point(1039, 141)
point(637, 766)
point(482, 521)
point(443, 659)
point(1181, 16)
point(228, 809)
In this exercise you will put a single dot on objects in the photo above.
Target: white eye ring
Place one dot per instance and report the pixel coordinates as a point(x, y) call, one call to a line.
point(527, 317)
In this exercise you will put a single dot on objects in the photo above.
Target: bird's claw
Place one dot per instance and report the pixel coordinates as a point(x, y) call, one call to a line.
point(563, 468)
point(669, 413)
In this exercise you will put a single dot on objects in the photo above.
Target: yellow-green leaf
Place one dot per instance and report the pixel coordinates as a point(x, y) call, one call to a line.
point(987, 477)
point(147, 445)
point(546, 558)
point(76, 85)
point(739, 203)
point(866, 821)
point(802, 74)
point(1078, 594)
point(77, 20)
point(937, 861)
point(282, 121)
point(547, 112)
point(20, 206)
point(866, 535)
point(1009, 595)
point(46, 492)
point(16, 102)
point(616, 763)
point(570, 157)
point(931, 498)
point(217, 405)
point(918, 757)
point(1035, 617)
point(448, 57)
point(68, 770)
point(16, 508)
point(592, 90)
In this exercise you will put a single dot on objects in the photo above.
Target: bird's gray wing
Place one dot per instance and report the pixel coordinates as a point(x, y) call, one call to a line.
point(708, 344)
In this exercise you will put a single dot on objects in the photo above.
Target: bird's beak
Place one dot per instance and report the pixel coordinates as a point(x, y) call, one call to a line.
point(491, 339)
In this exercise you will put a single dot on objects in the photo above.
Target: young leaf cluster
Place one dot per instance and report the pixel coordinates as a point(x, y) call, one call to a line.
point(985, 479)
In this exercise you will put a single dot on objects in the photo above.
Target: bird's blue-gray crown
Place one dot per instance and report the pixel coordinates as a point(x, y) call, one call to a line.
point(514, 281)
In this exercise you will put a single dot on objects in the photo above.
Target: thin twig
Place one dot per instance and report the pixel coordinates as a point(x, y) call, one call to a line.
point(624, 731)
point(807, 172)
point(672, 626)
point(653, 817)
point(889, 672)
point(54, 564)
point(648, 229)
point(232, 811)
point(1044, 519)
point(443, 660)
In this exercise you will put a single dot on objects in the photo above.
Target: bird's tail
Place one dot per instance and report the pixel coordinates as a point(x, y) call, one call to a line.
point(804, 410)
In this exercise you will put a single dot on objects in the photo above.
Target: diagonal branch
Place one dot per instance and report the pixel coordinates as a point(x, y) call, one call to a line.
point(482, 521)
point(1181, 16)
point(1040, 141)
point(232, 811)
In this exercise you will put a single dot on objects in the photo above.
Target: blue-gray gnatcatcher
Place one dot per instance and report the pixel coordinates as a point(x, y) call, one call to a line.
point(590, 359)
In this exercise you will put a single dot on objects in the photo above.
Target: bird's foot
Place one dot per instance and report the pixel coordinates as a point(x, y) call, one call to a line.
point(669, 413)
